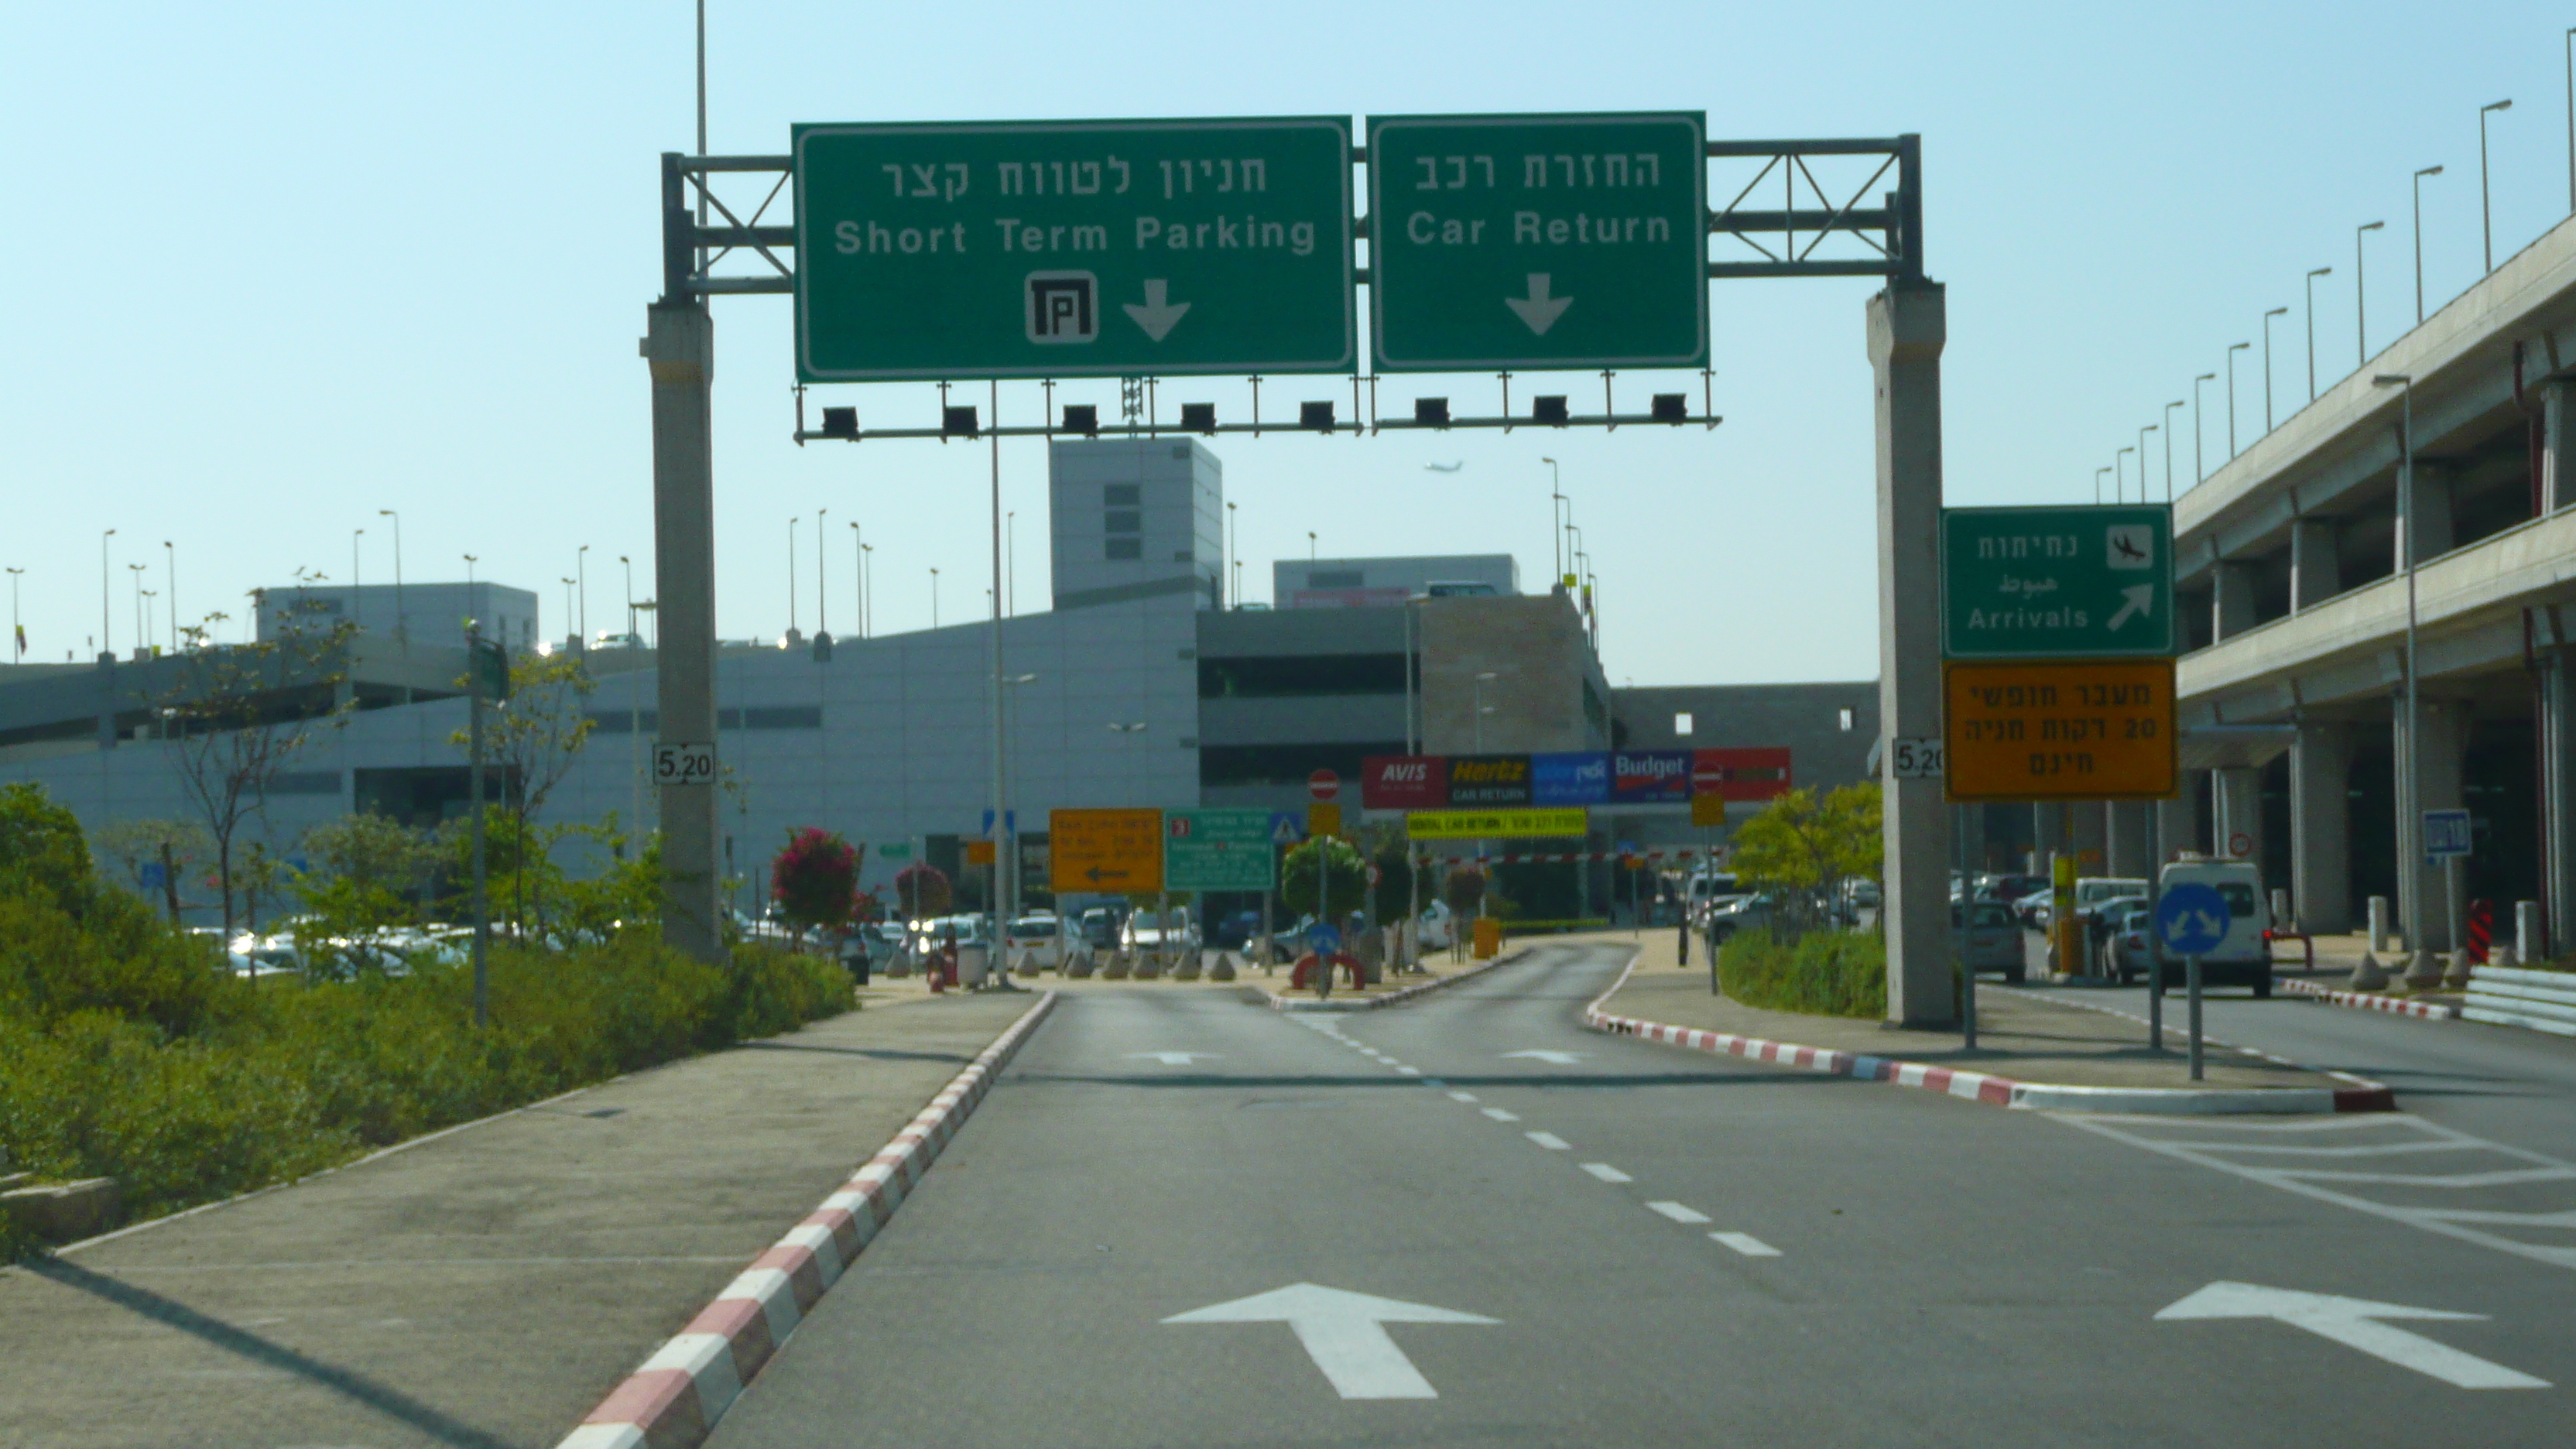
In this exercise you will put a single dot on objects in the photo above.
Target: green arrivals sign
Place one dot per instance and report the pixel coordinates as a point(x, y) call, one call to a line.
point(1575, 241)
point(1073, 249)
point(2021, 583)
point(1217, 850)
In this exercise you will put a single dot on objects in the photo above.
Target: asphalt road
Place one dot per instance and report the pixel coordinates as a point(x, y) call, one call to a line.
point(1672, 1249)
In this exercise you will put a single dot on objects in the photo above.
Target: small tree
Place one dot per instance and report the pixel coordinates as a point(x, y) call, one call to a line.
point(1464, 890)
point(1392, 900)
point(534, 737)
point(367, 879)
point(814, 878)
point(1345, 877)
point(237, 714)
point(922, 890)
point(1805, 846)
point(145, 849)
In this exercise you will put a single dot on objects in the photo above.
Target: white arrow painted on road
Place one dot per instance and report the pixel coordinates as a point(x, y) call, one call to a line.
point(1552, 1058)
point(1156, 318)
point(1172, 1059)
point(1538, 309)
point(1344, 1333)
point(2355, 1323)
point(2141, 602)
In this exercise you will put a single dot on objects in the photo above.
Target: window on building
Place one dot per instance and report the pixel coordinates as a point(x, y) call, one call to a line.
point(1335, 579)
point(1847, 721)
point(1682, 723)
point(1122, 520)
point(1124, 548)
point(1301, 674)
point(1121, 495)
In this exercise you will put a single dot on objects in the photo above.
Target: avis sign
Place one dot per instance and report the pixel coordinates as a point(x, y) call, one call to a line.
point(1073, 249)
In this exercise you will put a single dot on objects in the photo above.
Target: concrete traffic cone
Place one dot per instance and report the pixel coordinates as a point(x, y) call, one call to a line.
point(2457, 977)
point(2369, 975)
point(2423, 971)
point(1223, 969)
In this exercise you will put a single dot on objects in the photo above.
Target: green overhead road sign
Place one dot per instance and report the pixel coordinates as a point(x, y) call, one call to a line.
point(1574, 241)
point(1217, 850)
point(1073, 249)
point(2023, 583)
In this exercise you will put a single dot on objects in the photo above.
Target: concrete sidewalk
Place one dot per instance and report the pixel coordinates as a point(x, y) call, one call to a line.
point(484, 1287)
point(2019, 1036)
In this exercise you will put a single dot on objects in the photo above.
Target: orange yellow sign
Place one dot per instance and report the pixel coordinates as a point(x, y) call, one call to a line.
point(2090, 729)
point(1105, 852)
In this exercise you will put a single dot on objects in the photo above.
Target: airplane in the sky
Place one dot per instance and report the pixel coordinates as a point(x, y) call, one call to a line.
point(1446, 467)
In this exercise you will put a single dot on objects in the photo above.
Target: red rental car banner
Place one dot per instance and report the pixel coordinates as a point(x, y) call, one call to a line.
point(1756, 773)
point(1404, 782)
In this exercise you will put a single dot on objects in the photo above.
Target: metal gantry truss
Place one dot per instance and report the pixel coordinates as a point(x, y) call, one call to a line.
point(1785, 238)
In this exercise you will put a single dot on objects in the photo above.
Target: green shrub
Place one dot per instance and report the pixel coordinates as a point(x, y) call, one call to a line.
point(1827, 973)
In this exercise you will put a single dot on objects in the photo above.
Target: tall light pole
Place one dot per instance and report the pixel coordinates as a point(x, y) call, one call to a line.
point(2312, 328)
point(859, 576)
point(934, 598)
point(1011, 558)
point(2267, 363)
point(2169, 437)
point(2233, 348)
point(791, 578)
point(1480, 708)
point(568, 615)
point(2419, 240)
point(2486, 214)
point(141, 634)
point(402, 621)
point(581, 614)
point(17, 630)
point(2199, 469)
point(2119, 475)
point(2411, 816)
point(2097, 485)
point(1555, 525)
point(2360, 297)
point(170, 582)
point(1233, 570)
point(867, 590)
point(2142, 463)
point(469, 580)
point(1310, 551)
point(628, 565)
point(105, 611)
point(355, 603)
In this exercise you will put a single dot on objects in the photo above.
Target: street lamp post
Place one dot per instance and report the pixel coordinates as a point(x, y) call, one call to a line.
point(791, 580)
point(2233, 348)
point(2267, 363)
point(867, 590)
point(2118, 488)
point(934, 598)
point(2097, 485)
point(2486, 215)
point(402, 620)
point(1233, 571)
point(2419, 240)
point(1555, 525)
point(2360, 299)
point(106, 573)
point(140, 632)
point(469, 580)
point(574, 644)
point(2169, 437)
point(2410, 817)
point(356, 601)
point(2199, 470)
point(2312, 328)
point(581, 612)
point(17, 630)
point(2142, 463)
point(170, 582)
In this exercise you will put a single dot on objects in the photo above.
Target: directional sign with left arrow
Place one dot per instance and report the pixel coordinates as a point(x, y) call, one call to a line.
point(1344, 1333)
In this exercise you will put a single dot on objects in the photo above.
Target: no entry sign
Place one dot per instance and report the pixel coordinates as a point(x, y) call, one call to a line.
point(1323, 785)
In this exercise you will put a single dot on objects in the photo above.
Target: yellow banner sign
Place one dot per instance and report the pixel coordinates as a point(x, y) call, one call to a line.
point(1324, 817)
point(1494, 824)
point(2062, 730)
point(1107, 852)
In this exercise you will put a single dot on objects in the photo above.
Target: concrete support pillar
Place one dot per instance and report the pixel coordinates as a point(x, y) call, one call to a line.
point(2130, 854)
point(2316, 568)
point(2434, 532)
point(2321, 829)
point(2092, 838)
point(2557, 449)
point(1907, 327)
point(2423, 905)
point(2178, 818)
point(680, 346)
point(2557, 725)
point(106, 700)
point(2238, 818)
point(2231, 600)
point(1969, 849)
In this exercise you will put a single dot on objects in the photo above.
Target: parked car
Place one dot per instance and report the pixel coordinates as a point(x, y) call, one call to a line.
point(1439, 928)
point(1989, 939)
point(2103, 916)
point(2126, 955)
point(1035, 931)
point(2013, 888)
point(2244, 957)
point(1235, 932)
point(1737, 913)
point(1100, 928)
point(1172, 930)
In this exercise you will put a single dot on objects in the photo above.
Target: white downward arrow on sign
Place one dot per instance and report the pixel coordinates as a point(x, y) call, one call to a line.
point(1552, 1058)
point(1154, 316)
point(1538, 309)
point(1171, 1059)
point(2355, 1323)
point(2141, 601)
point(1344, 1333)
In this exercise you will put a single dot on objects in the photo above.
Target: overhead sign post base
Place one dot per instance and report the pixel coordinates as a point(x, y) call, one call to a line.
point(1907, 327)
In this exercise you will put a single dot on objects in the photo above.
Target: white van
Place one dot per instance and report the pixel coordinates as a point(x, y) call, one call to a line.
point(2244, 958)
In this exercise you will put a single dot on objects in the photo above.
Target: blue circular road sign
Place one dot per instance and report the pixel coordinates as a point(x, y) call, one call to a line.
point(2192, 919)
point(1323, 938)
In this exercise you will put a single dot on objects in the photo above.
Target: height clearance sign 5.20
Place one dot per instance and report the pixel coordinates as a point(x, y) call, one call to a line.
point(1073, 249)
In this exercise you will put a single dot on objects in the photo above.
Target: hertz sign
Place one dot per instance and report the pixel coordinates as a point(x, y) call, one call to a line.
point(2073, 730)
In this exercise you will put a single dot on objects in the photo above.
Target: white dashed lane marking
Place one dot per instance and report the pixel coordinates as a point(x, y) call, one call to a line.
point(1677, 1212)
point(1410, 1071)
point(1499, 1115)
point(1747, 1244)
point(1548, 1140)
point(1606, 1172)
point(1462, 1096)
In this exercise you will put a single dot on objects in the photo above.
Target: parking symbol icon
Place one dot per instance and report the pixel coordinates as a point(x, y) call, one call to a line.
point(1063, 307)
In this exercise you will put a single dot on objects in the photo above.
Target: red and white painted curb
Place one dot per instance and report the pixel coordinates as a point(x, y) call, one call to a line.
point(2368, 1001)
point(674, 1398)
point(1279, 1002)
point(1997, 1091)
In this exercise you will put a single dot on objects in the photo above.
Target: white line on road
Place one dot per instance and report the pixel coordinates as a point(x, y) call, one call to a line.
point(1606, 1172)
point(1410, 1071)
point(1499, 1115)
point(1747, 1244)
point(1549, 1140)
point(1677, 1212)
point(1462, 1096)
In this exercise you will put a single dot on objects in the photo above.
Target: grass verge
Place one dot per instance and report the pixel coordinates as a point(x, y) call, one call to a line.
point(1827, 973)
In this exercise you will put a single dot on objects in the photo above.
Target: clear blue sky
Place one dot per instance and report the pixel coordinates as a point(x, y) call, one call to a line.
point(278, 266)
